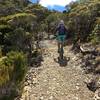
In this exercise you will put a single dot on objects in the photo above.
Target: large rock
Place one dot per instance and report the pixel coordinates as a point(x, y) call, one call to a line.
point(87, 48)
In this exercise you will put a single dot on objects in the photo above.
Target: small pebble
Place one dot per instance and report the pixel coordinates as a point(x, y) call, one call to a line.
point(51, 98)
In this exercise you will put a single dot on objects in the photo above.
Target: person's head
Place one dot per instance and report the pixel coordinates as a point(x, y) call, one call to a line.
point(61, 22)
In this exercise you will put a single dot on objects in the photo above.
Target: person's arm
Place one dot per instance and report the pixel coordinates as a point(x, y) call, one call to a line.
point(55, 31)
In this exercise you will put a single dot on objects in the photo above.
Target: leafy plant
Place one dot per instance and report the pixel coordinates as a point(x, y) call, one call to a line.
point(4, 73)
point(17, 64)
point(95, 38)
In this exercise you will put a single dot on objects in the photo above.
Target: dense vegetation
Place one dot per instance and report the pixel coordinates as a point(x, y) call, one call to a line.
point(84, 19)
point(23, 25)
point(20, 23)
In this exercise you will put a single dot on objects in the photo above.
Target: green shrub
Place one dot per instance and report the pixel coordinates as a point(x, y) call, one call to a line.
point(4, 74)
point(94, 37)
point(0, 52)
point(17, 63)
point(16, 41)
point(13, 68)
point(18, 15)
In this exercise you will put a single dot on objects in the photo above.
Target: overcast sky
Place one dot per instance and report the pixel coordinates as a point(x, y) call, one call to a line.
point(54, 4)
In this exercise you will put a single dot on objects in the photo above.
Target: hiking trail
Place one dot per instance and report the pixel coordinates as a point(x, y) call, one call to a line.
point(51, 81)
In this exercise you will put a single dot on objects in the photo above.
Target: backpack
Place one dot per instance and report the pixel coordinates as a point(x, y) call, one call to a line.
point(61, 30)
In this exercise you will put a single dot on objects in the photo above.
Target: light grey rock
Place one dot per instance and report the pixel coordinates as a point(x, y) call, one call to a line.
point(97, 95)
point(29, 82)
point(41, 98)
point(51, 98)
point(26, 83)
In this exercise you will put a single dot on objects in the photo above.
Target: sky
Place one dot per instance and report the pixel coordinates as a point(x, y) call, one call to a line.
point(54, 4)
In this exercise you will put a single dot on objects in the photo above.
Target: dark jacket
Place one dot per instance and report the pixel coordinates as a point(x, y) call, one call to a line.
point(61, 30)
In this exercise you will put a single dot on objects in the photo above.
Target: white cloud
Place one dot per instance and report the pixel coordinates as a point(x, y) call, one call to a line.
point(55, 2)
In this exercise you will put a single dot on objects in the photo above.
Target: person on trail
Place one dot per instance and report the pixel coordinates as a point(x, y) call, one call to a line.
point(61, 31)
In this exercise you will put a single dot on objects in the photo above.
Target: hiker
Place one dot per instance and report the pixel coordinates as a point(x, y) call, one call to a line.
point(61, 35)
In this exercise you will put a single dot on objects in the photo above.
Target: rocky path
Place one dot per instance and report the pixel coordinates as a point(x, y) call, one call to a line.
point(51, 81)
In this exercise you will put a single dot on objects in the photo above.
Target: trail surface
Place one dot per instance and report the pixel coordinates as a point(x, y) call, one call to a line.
point(51, 81)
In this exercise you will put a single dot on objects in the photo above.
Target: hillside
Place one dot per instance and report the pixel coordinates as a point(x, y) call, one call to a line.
point(28, 46)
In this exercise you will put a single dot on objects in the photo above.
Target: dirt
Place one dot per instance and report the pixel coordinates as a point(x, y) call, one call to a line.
point(54, 81)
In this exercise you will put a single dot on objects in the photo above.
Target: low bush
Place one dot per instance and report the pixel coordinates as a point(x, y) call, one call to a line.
point(17, 63)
